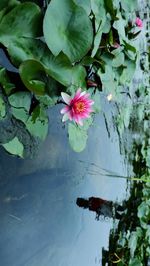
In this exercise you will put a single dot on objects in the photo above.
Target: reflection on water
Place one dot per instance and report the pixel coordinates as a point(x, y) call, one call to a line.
point(40, 222)
point(102, 207)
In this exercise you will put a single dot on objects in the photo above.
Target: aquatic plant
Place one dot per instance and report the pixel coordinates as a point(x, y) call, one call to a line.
point(89, 46)
point(78, 108)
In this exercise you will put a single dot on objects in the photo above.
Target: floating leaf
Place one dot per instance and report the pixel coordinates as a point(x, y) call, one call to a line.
point(71, 32)
point(24, 48)
point(37, 125)
point(32, 74)
point(118, 60)
point(14, 147)
point(20, 114)
point(78, 135)
point(23, 20)
point(20, 99)
point(128, 72)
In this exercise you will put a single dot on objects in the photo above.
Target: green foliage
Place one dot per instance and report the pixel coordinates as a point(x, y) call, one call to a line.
point(54, 55)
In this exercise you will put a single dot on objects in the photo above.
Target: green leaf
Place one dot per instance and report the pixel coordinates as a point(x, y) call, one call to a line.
point(99, 12)
point(37, 124)
point(7, 3)
point(129, 6)
point(119, 25)
point(5, 82)
point(100, 21)
point(128, 72)
point(20, 99)
point(86, 4)
point(46, 100)
point(126, 112)
point(14, 147)
point(130, 51)
point(78, 135)
point(133, 240)
point(118, 60)
point(78, 77)
point(95, 95)
point(60, 69)
point(23, 48)
point(22, 21)
point(110, 8)
point(33, 74)
point(135, 262)
point(2, 108)
point(71, 32)
point(20, 114)
point(108, 82)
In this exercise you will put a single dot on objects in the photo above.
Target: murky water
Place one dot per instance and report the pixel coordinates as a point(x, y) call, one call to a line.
point(40, 222)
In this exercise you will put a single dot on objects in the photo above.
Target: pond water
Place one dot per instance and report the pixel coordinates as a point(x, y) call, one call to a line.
point(40, 222)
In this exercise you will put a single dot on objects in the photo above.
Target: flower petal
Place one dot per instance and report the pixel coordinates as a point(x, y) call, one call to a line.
point(65, 117)
point(65, 110)
point(66, 97)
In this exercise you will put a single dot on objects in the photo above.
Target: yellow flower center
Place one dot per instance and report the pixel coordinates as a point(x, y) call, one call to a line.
point(79, 107)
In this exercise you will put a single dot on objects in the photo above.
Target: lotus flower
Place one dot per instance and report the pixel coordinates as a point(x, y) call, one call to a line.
point(139, 22)
point(78, 107)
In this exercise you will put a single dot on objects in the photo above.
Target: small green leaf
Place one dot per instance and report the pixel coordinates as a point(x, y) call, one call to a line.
point(14, 147)
point(20, 99)
point(78, 135)
point(118, 60)
point(37, 124)
point(133, 241)
point(128, 72)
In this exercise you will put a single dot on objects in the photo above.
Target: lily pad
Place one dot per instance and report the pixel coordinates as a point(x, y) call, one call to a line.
point(32, 74)
point(14, 147)
point(71, 32)
point(23, 20)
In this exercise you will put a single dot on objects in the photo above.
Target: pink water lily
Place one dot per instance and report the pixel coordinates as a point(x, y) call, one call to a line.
point(139, 22)
point(78, 107)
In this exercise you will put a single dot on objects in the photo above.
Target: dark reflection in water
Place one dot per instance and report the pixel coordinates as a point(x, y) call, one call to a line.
point(102, 207)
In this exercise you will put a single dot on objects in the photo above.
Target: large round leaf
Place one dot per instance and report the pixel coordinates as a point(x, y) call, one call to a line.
point(67, 28)
point(23, 20)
